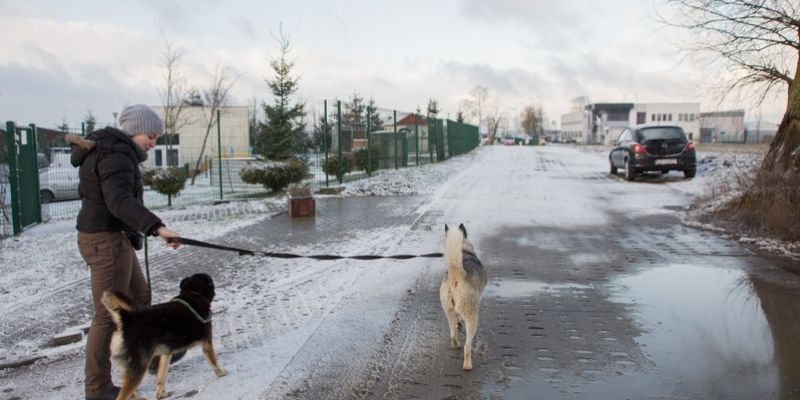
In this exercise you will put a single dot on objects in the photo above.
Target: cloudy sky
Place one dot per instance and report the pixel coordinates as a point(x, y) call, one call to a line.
point(59, 59)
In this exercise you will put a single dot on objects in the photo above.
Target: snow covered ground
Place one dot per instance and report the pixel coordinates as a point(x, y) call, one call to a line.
point(46, 257)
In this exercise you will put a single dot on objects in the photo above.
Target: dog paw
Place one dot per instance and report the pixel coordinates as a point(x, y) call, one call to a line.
point(221, 372)
point(454, 343)
point(136, 396)
point(467, 366)
point(161, 392)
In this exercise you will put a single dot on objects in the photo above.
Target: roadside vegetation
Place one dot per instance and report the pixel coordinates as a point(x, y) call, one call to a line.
point(758, 44)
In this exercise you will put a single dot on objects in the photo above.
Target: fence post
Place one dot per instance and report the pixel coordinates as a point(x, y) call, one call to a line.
point(431, 139)
point(325, 138)
point(340, 161)
point(369, 146)
point(416, 135)
point(11, 131)
point(394, 124)
point(37, 198)
point(219, 156)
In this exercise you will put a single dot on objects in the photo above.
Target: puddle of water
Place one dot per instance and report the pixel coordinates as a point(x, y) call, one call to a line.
point(704, 326)
point(581, 259)
point(708, 331)
point(517, 288)
point(545, 241)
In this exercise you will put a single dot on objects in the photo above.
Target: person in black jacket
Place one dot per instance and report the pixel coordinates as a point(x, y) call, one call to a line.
point(110, 225)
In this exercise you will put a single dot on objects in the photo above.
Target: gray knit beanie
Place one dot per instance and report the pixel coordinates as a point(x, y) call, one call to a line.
point(140, 119)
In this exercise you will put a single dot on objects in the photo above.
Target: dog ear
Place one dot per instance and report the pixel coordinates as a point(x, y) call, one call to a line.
point(208, 281)
point(446, 228)
point(463, 229)
point(182, 282)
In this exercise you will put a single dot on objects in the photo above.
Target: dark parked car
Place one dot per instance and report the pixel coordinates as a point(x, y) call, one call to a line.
point(653, 148)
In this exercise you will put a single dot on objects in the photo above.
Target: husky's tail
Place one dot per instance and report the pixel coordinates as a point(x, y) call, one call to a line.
point(453, 247)
point(116, 302)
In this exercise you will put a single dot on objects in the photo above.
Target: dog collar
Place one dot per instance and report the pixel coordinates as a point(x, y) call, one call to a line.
point(196, 314)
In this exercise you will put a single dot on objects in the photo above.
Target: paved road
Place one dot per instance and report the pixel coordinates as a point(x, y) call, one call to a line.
point(597, 291)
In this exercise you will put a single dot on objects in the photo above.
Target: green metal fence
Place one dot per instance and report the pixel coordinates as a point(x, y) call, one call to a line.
point(461, 138)
point(23, 176)
point(210, 151)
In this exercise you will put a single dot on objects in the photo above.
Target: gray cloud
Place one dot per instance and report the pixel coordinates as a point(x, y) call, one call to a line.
point(547, 24)
point(44, 97)
point(500, 81)
point(247, 28)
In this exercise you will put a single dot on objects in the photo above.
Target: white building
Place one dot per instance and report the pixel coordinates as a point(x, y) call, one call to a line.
point(759, 131)
point(722, 127)
point(192, 127)
point(601, 123)
point(574, 126)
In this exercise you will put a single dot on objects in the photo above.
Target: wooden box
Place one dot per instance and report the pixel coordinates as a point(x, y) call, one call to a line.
point(304, 206)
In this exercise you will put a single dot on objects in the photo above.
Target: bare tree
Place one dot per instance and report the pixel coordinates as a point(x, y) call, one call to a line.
point(758, 43)
point(173, 93)
point(215, 100)
point(494, 118)
point(476, 103)
point(530, 120)
point(433, 108)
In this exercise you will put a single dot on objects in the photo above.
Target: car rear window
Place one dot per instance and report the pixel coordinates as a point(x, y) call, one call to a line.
point(659, 133)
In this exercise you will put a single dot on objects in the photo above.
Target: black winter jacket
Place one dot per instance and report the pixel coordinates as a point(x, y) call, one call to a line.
point(111, 183)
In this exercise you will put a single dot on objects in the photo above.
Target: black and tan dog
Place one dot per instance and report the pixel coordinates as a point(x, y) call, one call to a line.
point(160, 330)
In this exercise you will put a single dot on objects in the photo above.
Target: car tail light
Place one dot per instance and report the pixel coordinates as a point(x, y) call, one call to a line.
point(690, 146)
point(638, 148)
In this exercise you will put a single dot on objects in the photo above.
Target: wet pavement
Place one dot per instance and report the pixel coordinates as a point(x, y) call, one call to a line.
point(596, 291)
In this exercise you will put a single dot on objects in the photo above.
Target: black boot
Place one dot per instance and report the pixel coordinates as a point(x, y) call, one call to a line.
point(153, 367)
point(110, 394)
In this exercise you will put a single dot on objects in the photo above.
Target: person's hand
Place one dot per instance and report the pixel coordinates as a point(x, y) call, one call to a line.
point(166, 234)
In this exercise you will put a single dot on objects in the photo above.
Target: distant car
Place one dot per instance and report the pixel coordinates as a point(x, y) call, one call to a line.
point(57, 184)
point(645, 148)
point(41, 161)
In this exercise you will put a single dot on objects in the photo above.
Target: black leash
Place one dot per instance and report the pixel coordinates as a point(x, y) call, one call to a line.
point(245, 252)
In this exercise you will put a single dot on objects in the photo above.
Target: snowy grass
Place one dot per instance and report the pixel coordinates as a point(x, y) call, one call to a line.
point(47, 257)
point(724, 172)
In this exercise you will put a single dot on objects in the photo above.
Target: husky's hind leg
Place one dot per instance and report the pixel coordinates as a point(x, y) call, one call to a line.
point(471, 325)
point(452, 319)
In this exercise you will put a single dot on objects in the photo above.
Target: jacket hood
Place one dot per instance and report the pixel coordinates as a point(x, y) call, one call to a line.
point(108, 140)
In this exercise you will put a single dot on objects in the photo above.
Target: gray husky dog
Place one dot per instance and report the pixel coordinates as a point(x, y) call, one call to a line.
point(461, 288)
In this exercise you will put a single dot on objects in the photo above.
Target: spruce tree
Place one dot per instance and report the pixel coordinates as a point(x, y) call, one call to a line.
point(282, 135)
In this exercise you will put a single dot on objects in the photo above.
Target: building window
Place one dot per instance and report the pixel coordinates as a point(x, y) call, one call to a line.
point(670, 117)
point(691, 117)
point(159, 160)
point(680, 117)
point(617, 114)
point(172, 157)
point(641, 117)
point(652, 117)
